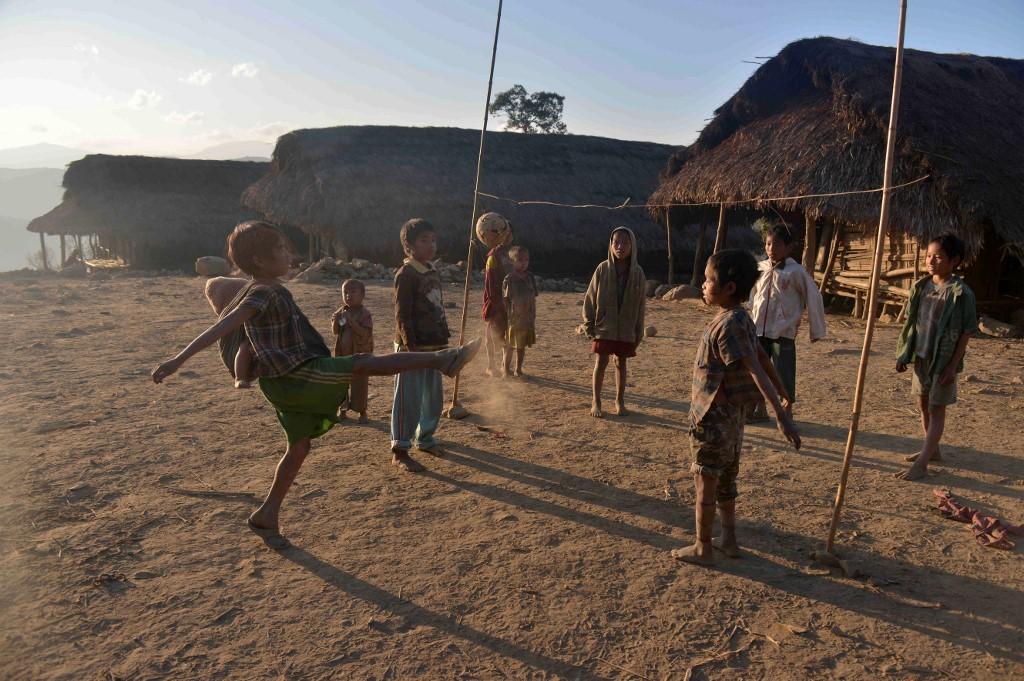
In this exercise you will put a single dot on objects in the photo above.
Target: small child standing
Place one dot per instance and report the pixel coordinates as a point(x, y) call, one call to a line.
point(730, 370)
point(783, 290)
point(941, 318)
point(613, 314)
point(496, 268)
point(353, 325)
point(296, 373)
point(421, 325)
point(520, 294)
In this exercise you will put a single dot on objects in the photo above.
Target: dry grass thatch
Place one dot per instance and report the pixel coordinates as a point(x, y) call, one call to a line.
point(813, 120)
point(359, 184)
point(160, 212)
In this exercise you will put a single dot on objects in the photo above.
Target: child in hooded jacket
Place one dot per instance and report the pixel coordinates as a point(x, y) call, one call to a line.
point(613, 314)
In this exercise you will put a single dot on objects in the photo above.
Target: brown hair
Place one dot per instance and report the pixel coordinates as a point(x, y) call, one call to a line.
point(514, 252)
point(354, 282)
point(252, 239)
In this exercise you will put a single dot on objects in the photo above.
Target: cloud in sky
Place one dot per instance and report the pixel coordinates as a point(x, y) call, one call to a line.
point(246, 69)
point(199, 78)
point(143, 99)
point(39, 128)
point(185, 118)
point(87, 48)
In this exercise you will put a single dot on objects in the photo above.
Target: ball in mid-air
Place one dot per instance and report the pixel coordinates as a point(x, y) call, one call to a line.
point(493, 230)
point(650, 332)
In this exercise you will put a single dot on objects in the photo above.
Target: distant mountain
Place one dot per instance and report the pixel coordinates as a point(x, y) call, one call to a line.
point(17, 244)
point(253, 159)
point(29, 192)
point(236, 150)
point(39, 156)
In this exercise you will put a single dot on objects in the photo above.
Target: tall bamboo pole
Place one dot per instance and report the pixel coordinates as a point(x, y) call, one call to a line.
point(883, 227)
point(698, 255)
point(455, 410)
point(723, 230)
point(42, 252)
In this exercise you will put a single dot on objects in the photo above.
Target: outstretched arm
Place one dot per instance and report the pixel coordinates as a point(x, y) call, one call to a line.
point(764, 384)
point(204, 340)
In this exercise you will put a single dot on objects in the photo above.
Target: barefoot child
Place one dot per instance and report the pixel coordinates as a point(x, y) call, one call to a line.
point(296, 372)
point(497, 266)
point(783, 290)
point(520, 294)
point(729, 372)
point(421, 325)
point(613, 314)
point(941, 318)
point(353, 325)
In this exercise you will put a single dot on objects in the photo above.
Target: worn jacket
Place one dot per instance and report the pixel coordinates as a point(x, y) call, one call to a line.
point(780, 296)
point(420, 321)
point(603, 317)
point(959, 316)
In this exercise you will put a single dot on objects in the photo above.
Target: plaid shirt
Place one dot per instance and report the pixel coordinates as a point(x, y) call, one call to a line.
point(729, 338)
point(959, 316)
point(281, 336)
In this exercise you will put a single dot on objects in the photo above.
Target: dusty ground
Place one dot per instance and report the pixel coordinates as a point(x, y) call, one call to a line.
point(537, 549)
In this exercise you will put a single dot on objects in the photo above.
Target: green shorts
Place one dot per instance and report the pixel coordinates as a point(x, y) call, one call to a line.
point(924, 383)
point(715, 444)
point(307, 399)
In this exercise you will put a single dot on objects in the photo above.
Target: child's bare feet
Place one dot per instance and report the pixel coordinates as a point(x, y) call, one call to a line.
point(402, 460)
point(728, 545)
point(620, 409)
point(266, 529)
point(518, 373)
point(363, 418)
point(701, 553)
point(595, 410)
point(461, 356)
point(242, 384)
point(434, 449)
point(916, 472)
point(935, 457)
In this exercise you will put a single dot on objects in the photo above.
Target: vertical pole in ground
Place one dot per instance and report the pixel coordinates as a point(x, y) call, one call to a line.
point(723, 231)
point(668, 244)
point(698, 255)
point(63, 253)
point(456, 410)
point(810, 242)
point(876, 263)
point(42, 252)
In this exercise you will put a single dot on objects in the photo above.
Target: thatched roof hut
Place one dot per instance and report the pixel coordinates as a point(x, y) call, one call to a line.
point(813, 120)
point(355, 186)
point(152, 212)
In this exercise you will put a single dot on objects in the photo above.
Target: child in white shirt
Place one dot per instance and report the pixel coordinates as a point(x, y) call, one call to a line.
point(782, 292)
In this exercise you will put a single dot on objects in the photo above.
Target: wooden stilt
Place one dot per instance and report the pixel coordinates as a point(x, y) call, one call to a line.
point(63, 252)
point(821, 258)
point(668, 245)
point(723, 231)
point(697, 278)
point(42, 252)
point(810, 242)
point(833, 252)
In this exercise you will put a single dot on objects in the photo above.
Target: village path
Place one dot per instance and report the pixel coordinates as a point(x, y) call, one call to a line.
point(538, 548)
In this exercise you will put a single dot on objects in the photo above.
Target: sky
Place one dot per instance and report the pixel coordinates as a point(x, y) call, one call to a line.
point(175, 77)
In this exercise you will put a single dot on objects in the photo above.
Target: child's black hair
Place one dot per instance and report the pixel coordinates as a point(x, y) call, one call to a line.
point(737, 266)
point(354, 282)
point(780, 231)
point(952, 245)
point(412, 230)
point(514, 251)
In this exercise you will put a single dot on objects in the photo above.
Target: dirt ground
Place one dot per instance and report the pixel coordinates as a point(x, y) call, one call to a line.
point(538, 548)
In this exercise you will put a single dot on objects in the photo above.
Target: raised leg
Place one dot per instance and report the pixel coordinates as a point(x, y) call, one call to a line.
point(243, 366)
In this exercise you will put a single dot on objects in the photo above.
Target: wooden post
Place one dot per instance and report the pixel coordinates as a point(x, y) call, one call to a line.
point(42, 251)
point(696, 279)
point(917, 261)
point(876, 264)
point(63, 252)
point(833, 252)
point(309, 241)
point(723, 231)
point(810, 242)
point(668, 244)
point(826, 243)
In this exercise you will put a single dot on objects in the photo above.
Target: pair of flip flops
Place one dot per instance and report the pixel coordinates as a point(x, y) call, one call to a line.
point(988, 530)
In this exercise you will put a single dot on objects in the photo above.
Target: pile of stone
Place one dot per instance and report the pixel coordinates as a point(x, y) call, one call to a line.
point(665, 292)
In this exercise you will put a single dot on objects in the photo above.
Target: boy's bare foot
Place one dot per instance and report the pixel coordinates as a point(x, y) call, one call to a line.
point(595, 410)
point(434, 450)
point(363, 418)
point(937, 456)
point(698, 554)
point(406, 463)
point(620, 409)
point(242, 384)
point(915, 472)
point(729, 547)
point(518, 373)
point(270, 535)
point(462, 356)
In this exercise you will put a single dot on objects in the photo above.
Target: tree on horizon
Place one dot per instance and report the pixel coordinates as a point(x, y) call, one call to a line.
point(534, 112)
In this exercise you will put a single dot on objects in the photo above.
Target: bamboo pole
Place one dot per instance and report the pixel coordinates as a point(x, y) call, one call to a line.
point(63, 252)
point(810, 242)
point(821, 257)
point(698, 256)
point(668, 243)
point(42, 252)
point(456, 410)
point(723, 231)
point(833, 252)
point(883, 227)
